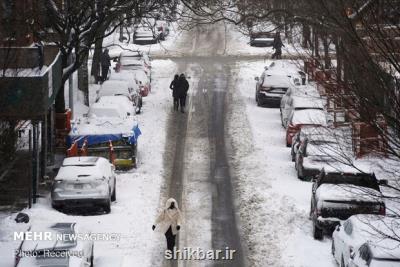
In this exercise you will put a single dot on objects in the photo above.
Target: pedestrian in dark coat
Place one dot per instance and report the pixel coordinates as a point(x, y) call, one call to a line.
point(277, 45)
point(174, 86)
point(182, 89)
point(105, 62)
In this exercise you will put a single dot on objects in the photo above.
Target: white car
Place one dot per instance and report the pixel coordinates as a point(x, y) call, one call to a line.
point(84, 182)
point(364, 241)
point(115, 88)
point(55, 251)
point(126, 56)
point(295, 90)
point(112, 106)
point(300, 102)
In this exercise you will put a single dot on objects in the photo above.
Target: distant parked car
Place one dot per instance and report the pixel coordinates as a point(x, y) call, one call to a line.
point(84, 182)
point(53, 252)
point(364, 241)
point(274, 82)
point(145, 35)
point(336, 196)
point(262, 39)
point(305, 117)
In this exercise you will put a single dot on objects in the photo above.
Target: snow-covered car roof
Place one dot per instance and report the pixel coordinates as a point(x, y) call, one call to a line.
point(376, 230)
point(118, 102)
point(114, 87)
point(347, 192)
point(111, 108)
point(104, 125)
point(309, 116)
point(276, 80)
point(126, 76)
point(75, 168)
point(283, 67)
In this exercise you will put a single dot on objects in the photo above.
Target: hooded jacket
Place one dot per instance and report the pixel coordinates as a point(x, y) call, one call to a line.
point(169, 217)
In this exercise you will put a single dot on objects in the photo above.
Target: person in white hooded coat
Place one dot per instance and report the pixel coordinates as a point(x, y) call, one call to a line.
point(169, 222)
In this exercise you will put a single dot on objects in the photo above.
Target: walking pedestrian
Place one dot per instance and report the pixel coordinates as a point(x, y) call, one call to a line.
point(169, 222)
point(105, 62)
point(182, 89)
point(277, 45)
point(174, 86)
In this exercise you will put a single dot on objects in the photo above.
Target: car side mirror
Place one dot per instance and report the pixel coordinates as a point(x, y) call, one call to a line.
point(256, 78)
point(115, 59)
point(383, 182)
point(337, 228)
point(56, 169)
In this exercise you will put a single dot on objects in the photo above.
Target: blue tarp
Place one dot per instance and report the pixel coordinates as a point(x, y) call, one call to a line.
point(103, 138)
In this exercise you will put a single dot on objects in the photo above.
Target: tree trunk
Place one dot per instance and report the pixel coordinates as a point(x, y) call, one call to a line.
point(327, 59)
point(98, 49)
point(83, 81)
point(60, 99)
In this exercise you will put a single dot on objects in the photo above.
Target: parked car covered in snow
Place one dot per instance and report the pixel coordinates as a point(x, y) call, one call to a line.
point(144, 35)
point(133, 87)
point(273, 83)
point(301, 136)
point(112, 106)
point(116, 88)
point(262, 39)
point(365, 241)
point(125, 57)
point(300, 118)
point(299, 102)
point(320, 149)
point(84, 182)
point(68, 252)
point(336, 196)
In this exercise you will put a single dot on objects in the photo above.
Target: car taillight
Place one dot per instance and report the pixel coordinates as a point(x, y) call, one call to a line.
point(382, 210)
point(292, 128)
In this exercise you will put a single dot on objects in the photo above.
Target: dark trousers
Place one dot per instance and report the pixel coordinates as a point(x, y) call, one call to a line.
point(176, 103)
point(277, 54)
point(170, 239)
point(104, 72)
point(182, 102)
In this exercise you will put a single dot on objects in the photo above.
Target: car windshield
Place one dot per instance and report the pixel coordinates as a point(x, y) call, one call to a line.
point(358, 179)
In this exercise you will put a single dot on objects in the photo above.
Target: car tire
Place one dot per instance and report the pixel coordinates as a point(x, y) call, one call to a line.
point(114, 194)
point(293, 157)
point(107, 207)
point(299, 174)
point(317, 233)
point(92, 257)
point(333, 248)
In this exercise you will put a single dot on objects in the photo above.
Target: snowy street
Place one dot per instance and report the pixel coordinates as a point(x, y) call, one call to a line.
point(224, 159)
